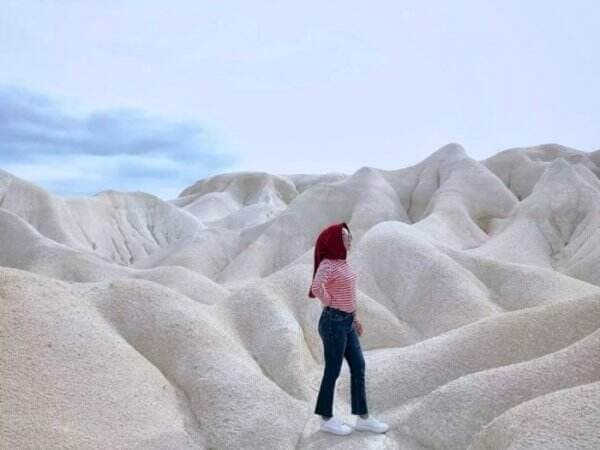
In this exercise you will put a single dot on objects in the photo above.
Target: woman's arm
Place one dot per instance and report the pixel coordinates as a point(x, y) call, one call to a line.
point(323, 275)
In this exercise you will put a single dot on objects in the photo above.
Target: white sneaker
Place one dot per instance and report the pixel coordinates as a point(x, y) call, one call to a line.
point(335, 426)
point(370, 424)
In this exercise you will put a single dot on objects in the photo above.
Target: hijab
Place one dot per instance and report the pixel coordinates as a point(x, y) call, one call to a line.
point(329, 245)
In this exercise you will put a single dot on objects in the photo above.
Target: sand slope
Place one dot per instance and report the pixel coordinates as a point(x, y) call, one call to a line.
point(127, 321)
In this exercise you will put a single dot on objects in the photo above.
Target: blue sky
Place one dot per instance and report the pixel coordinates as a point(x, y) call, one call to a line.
point(152, 96)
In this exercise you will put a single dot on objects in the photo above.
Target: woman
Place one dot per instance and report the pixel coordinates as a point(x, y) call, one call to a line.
point(334, 284)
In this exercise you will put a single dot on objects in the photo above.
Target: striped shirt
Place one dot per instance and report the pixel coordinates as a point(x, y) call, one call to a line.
point(335, 284)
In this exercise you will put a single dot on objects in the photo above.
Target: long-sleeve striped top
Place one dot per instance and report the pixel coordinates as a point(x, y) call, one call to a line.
point(335, 284)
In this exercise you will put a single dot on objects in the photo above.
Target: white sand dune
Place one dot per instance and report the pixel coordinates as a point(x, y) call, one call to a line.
point(127, 321)
point(539, 423)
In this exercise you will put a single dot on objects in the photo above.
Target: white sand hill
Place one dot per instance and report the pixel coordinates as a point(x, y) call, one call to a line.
point(128, 322)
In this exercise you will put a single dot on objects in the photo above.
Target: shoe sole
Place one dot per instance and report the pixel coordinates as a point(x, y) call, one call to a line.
point(335, 432)
point(369, 429)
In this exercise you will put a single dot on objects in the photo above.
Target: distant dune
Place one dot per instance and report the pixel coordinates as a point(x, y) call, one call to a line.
point(131, 322)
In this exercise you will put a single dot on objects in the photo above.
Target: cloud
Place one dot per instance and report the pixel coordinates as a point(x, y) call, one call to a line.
point(120, 148)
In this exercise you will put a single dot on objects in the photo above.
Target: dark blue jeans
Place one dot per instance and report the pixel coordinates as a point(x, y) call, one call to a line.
point(340, 340)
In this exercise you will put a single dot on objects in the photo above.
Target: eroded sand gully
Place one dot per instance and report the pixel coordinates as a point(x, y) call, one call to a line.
point(131, 322)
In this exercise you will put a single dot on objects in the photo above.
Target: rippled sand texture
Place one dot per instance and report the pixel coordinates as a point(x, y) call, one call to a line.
point(132, 322)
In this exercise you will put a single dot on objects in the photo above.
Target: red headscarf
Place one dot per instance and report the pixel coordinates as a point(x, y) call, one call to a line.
point(329, 245)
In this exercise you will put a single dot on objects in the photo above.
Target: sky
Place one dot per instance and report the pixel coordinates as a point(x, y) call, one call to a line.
point(154, 96)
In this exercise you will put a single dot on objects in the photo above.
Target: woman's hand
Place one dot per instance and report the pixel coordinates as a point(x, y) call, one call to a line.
point(358, 326)
point(327, 296)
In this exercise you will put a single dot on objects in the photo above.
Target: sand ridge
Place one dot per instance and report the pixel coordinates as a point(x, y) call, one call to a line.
point(127, 321)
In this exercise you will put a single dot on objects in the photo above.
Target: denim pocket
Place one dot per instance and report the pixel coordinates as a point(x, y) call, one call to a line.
point(336, 317)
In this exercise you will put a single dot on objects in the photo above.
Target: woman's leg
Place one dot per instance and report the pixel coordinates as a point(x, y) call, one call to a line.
point(356, 361)
point(333, 335)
